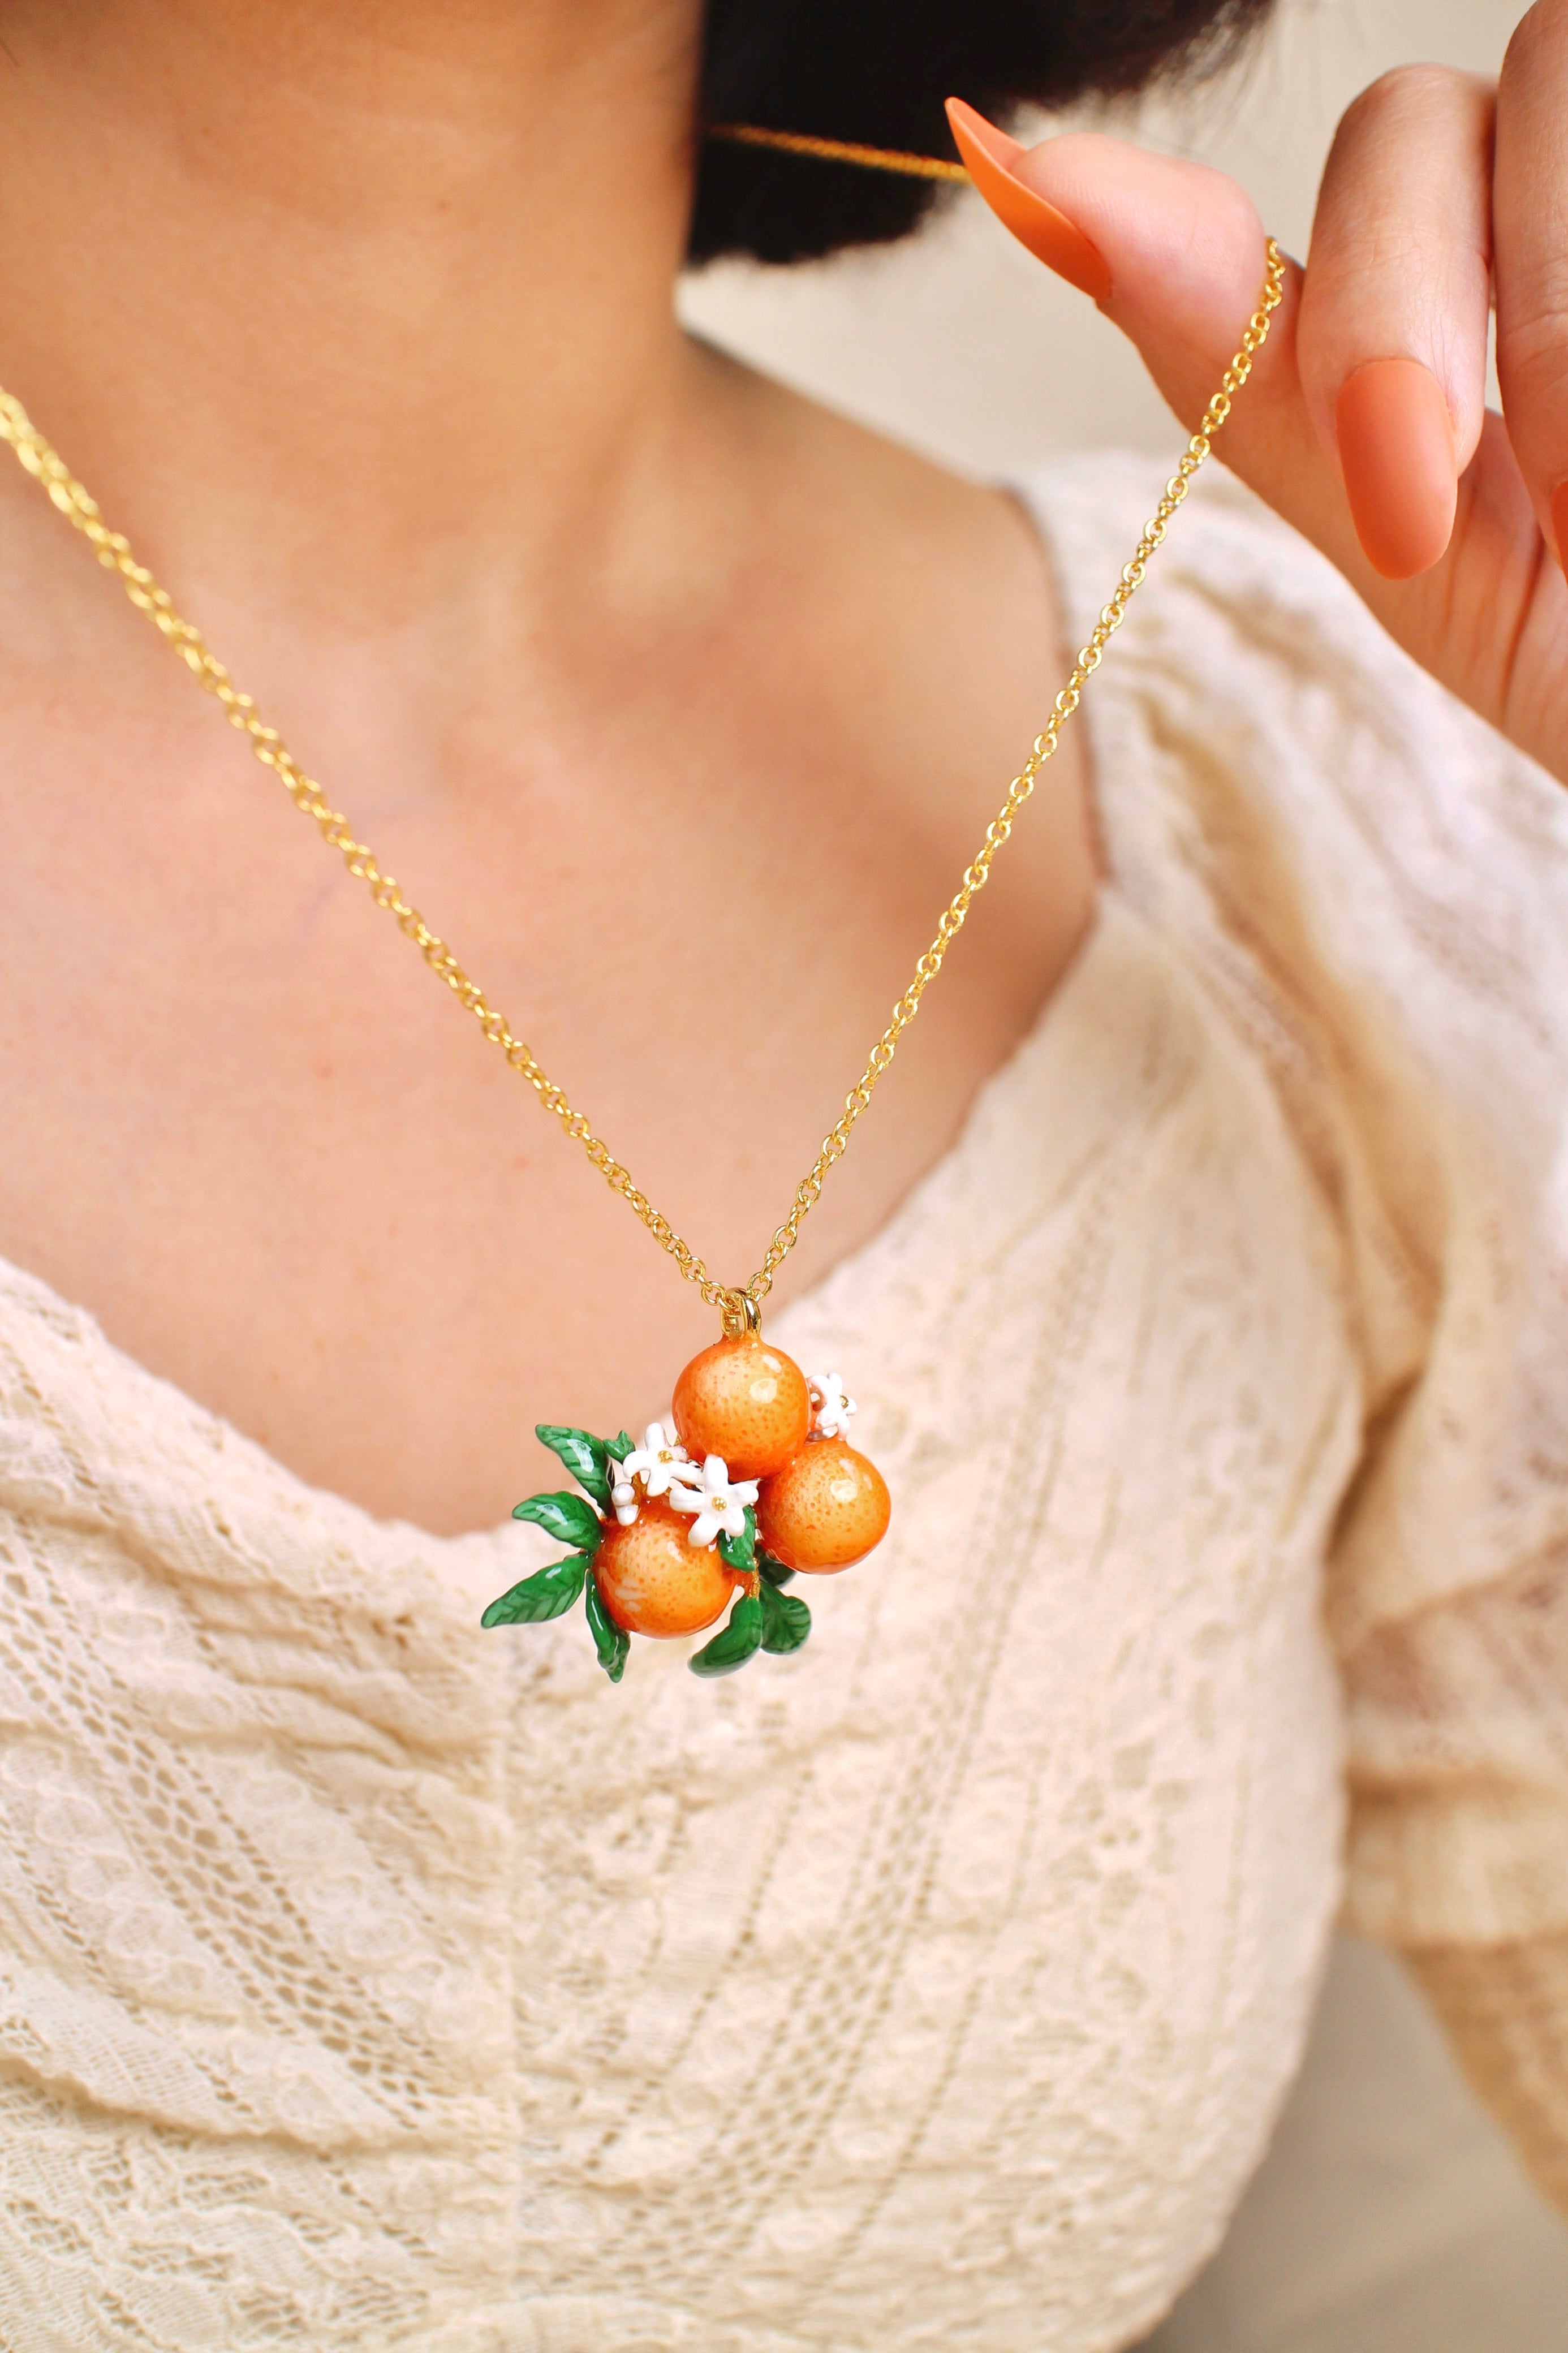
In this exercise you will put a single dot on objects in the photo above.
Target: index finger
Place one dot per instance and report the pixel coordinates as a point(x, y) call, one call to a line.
point(1530, 230)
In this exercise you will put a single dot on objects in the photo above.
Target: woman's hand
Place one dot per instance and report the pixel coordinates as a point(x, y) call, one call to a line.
point(1365, 423)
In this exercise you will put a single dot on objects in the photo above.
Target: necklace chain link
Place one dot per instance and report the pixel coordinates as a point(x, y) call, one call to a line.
point(739, 1305)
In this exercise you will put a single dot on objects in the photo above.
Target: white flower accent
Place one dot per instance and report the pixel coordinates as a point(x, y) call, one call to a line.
point(831, 1405)
point(623, 1494)
point(720, 1502)
point(659, 1461)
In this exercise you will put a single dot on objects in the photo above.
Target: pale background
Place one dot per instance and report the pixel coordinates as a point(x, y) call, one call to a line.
point(1390, 2217)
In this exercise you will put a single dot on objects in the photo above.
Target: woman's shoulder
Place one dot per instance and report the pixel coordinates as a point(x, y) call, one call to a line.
point(1371, 886)
point(1234, 600)
point(1261, 743)
point(1092, 505)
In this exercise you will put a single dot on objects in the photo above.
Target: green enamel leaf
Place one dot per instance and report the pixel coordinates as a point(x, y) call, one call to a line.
point(609, 1640)
point(738, 1641)
point(548, 1595)
point(567, 1518)
point(584, 1455)
point(740, 1552)
point(622, 1446)
point(786, 1620)
point(772, 1571)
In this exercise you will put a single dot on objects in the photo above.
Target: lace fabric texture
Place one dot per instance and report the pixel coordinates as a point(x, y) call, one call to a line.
point(368, 1982)
point(1375, 890)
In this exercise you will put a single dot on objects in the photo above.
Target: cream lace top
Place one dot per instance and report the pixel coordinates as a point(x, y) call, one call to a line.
point(367, 1981)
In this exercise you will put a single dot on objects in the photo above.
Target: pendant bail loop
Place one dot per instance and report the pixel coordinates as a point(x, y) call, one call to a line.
point(740, 1315)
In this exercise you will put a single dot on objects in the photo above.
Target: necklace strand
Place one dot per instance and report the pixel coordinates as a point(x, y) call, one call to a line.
point(739, 1304)
point(839, 151)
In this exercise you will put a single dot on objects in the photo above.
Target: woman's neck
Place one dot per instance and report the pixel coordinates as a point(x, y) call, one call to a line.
point(344, 300)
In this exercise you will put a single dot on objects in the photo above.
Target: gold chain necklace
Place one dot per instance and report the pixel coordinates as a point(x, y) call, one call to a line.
point(753, 1479)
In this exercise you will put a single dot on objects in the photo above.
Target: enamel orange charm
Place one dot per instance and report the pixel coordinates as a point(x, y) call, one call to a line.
point(752, 1480)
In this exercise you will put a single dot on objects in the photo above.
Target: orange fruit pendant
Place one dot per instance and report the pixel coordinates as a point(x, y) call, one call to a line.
point(751, 1478)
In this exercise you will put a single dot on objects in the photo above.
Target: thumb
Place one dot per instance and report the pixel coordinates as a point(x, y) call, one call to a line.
point(1174, 254)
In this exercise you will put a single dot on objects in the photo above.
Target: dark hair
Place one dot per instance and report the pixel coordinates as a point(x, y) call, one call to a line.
point(877, 70)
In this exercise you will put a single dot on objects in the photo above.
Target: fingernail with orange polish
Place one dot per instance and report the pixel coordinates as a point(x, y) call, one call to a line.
point(1049, 236)
point(1560, 521)
point(1397, 453)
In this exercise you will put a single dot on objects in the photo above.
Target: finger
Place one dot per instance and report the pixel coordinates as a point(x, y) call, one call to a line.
point(1530, 230)
point(1182, 252)
point(1177, 255)
point(1392, 338)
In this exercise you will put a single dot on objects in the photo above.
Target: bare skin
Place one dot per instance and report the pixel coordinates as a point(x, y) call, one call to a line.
point(676, 702)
